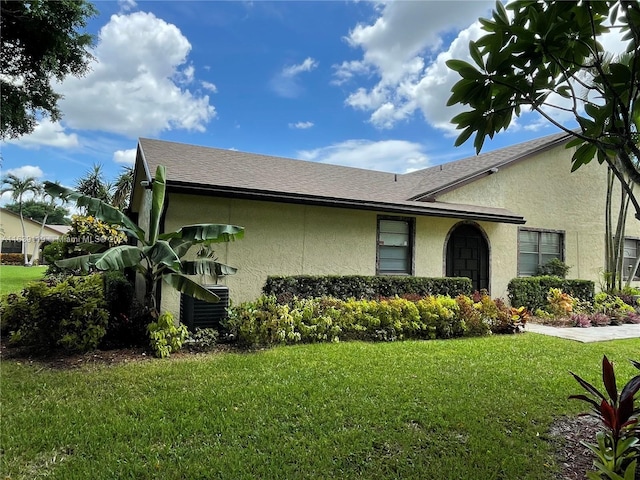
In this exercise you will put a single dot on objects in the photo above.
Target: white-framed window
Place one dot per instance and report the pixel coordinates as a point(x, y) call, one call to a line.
point(536, 247)
point(395, 246)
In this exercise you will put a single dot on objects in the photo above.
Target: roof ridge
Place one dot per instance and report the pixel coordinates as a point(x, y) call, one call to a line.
point(459, 172)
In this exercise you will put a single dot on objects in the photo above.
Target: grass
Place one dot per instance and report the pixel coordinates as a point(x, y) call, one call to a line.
point(14, 277)
point(464, 409)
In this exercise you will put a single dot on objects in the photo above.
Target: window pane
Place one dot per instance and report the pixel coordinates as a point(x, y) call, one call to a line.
point(11, 246)
point(393, 259)
point(630, 248)
point(537, 248)
point(630, 255)
point(394, 241)
point(394, 226)
point(550, 243)
point(544, 259)
point(528, 264)
point(528, 241)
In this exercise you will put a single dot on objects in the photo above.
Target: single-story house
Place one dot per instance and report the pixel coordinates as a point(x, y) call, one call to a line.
point(11, 234)
point(490, 217)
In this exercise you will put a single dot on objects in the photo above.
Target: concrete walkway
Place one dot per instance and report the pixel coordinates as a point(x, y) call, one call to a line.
point(591, 334)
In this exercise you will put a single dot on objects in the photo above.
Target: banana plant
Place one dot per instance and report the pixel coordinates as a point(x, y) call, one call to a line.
point(157, 256)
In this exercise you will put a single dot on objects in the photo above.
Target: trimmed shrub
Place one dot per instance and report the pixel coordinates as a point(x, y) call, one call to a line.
point(12, 258)
point(70, 315)
point(439, 315)
point(267, 322)
point(531, 292)
point(362, 287)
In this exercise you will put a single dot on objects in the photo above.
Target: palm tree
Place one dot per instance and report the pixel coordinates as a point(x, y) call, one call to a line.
point(122, 188)
point(93, 184)
point(18, 187)
point(51, 204)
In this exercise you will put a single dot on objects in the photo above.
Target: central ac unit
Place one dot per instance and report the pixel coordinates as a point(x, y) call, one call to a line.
point(196, 313)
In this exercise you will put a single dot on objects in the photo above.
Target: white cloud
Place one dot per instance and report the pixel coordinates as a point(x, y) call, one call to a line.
point(401, 48)
point(286, 82)
point(306, 66)
point(125, 157)
point(127, 5)
point(404, 50)
point(398, 156)
point(349, 69)
point(135, 86)
point(209, 86)
point(301, 125)
point(26, 171)
point(49, 134)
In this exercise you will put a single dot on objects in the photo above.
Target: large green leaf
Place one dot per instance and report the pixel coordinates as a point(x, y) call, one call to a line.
point(83, 262)
point(97, 208)
point(180, 247)
point(189, 287)
point(207, 266)
point(120, 257)
point(203, 233)
point(157, 203)
point(161, 253)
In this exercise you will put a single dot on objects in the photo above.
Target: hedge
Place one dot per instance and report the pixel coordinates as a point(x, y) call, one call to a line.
point(11, 258)
point(268, 322)
point(531, 292)
point(362, 287)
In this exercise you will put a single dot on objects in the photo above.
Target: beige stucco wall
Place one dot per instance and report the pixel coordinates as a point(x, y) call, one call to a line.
point(280, 239)
point(550, 197)
point(11, 230)
point(286, 239)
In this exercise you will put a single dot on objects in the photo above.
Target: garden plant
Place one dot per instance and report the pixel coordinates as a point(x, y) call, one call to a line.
point(618, 445)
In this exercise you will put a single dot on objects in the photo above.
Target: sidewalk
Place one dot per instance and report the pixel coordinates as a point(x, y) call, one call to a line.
point(585, 335)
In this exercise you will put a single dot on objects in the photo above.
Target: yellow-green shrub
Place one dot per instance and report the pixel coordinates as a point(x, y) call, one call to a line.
point(265, 321)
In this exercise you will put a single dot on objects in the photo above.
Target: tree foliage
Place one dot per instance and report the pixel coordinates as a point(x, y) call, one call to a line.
point(548, 57)
point(93, 184)
point(36, 210)
point(42, 41)
point(122, 188)
point(18, 187)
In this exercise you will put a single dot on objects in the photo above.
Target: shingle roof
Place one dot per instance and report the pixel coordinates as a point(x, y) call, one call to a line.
point(213, 170)
point(450, 175)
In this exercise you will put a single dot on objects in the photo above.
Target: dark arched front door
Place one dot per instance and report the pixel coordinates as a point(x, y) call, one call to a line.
point(468, 256)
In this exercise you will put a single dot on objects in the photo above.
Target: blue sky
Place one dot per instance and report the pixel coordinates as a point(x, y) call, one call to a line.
point(354, 83)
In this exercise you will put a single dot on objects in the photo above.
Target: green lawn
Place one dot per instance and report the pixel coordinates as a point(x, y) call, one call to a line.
point(14, 277)
point(455, 409)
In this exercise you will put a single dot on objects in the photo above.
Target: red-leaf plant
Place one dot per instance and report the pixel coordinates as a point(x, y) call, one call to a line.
point(617, 448)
